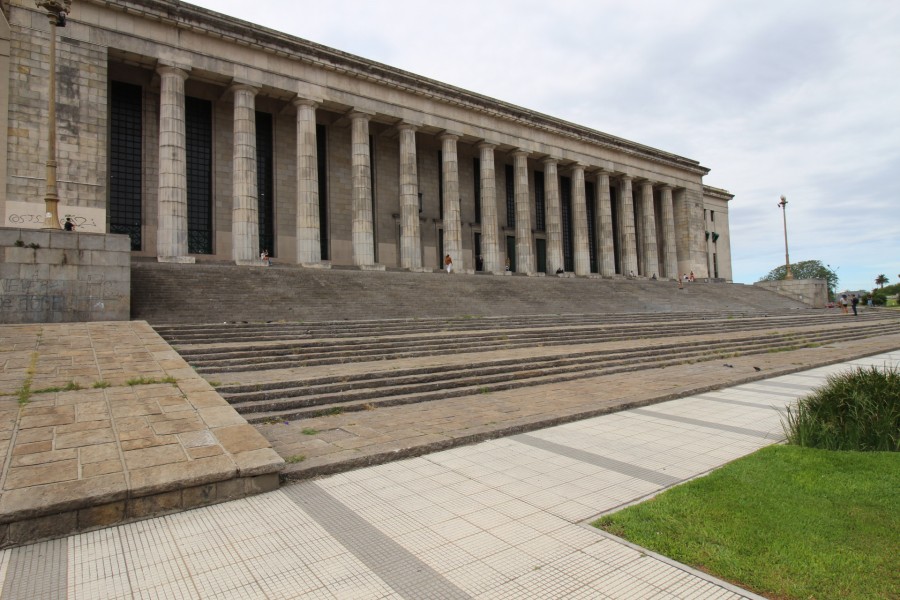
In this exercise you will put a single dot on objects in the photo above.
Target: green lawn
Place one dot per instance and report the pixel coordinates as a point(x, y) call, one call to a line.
point(785, 522)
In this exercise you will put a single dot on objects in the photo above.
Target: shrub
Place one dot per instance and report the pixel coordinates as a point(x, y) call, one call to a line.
point(856, 410)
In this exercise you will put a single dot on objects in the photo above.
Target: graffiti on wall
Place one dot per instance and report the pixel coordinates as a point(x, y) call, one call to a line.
point(32, 298)
point(30, 215)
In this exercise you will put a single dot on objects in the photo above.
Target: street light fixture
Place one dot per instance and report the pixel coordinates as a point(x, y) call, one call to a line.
point(56, 12)
point(787, 260)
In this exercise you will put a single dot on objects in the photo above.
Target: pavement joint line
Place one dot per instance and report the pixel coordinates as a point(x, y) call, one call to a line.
point(689, 421)
point(37, 572)
point(712, 398)
point(597, 460)
point(399, 568)
point(786, 385)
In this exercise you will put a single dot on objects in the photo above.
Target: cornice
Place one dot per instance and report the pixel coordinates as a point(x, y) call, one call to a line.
point(206, 22)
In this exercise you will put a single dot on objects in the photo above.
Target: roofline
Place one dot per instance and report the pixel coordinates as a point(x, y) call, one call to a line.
point(201, 20)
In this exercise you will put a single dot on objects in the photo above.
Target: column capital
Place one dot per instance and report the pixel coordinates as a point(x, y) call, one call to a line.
point(665, 186)
point(486, 144)
point(243, 87)
point(625, 177)
point(449, 135)
point(577, 167)
point(357, 113)
point(520, 152)
point(550, 160)
point(173, 70)
point(404, 126)
point(300, 101)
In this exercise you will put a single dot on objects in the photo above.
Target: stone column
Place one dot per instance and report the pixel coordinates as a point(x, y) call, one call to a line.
point(555, 258)
point(410, 239)
point(580, 223)
point(451, 217)
point(627, 241)
point(524, 244)
point(605, 226)
point(490, 229)
point(245, 197)
point(172, 228)
point(670, 257)
point(362, 233)
point(650, 252)
point(309, 244)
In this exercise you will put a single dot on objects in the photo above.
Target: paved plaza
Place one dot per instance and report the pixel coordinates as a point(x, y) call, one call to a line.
point(506, 518)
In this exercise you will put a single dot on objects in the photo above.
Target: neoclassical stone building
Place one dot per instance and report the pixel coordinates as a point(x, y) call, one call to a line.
point(200, 135)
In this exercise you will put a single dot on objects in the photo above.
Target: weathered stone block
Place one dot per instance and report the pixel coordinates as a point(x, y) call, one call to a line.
point(105, 515)
point(157, 504)
point(201, 495)
point(89, 241)
point(40, 528)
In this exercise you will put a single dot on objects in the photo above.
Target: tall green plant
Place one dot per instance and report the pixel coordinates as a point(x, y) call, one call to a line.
point(856, 410)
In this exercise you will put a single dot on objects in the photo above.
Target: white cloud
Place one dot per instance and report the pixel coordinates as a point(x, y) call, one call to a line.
point(797, 98)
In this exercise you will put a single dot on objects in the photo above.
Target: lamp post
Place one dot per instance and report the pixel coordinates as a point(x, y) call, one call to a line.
point(56, 12)
point(787, 260)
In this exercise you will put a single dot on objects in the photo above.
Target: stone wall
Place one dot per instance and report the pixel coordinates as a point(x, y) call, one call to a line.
point(61, 276)
point(812, 292)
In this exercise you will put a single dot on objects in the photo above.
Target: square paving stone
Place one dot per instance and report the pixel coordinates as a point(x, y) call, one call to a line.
point(53, 472)
point(154, 456)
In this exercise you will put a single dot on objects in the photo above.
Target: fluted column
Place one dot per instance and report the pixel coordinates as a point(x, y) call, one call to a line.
point(650, 252)
point(555, 258)
point(451, 216)
point(309, 245)
point(667, 216)
point(362, 233)
point(627, 241)
point(579, 210)
point(490, 230)
point(172, 228)
point(245, 197)
point(524, 244)
point(605, 226)
point(410, 240)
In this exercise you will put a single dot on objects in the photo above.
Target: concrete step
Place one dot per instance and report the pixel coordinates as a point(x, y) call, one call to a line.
point(363, 393)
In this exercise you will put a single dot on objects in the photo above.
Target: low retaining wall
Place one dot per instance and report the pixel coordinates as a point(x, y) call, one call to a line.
point(63, 276)
point(812, 292)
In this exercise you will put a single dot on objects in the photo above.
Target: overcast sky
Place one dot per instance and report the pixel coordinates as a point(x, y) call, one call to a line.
point(798, 97)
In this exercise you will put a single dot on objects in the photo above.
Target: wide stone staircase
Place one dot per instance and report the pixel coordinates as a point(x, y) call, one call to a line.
point(291, 371)
point(214, 292)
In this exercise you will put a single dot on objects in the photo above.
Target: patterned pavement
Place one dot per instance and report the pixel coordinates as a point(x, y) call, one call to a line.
point(505, 518)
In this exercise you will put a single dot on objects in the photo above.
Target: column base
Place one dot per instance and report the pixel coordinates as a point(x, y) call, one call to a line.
point(594, 276)
point(420, 270)
point(252, 262)
point(316, 265)
point(185, 260)
point(370, 267)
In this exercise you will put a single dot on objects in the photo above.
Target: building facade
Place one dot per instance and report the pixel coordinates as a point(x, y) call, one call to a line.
point(200, 135)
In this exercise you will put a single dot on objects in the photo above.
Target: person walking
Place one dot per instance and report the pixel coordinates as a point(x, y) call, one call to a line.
point(854, 301)
point(844, 304)
point(448, 263)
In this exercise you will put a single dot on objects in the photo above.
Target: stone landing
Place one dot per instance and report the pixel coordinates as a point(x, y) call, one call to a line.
point(103, 423)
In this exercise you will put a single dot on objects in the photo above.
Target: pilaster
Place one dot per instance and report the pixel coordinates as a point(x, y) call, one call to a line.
point(172, 228)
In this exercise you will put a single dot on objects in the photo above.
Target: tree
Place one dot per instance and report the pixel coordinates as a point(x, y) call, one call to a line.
point(881, 280)
point(806, 269)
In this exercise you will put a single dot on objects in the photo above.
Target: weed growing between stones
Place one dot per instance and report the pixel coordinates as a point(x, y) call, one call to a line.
point(150, 380)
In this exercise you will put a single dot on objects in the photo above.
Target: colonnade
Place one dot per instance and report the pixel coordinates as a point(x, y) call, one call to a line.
point(643, 250)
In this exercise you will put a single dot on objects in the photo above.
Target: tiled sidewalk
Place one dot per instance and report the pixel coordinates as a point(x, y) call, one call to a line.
point(501, 519)
point(102, 423)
